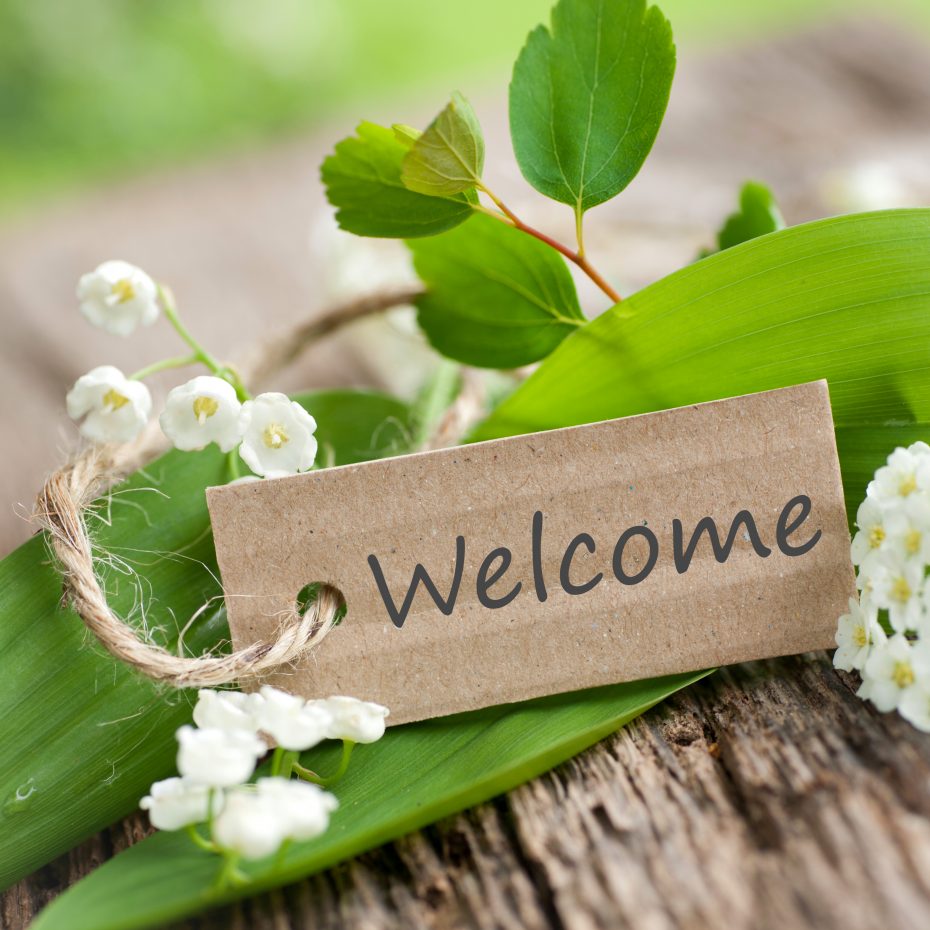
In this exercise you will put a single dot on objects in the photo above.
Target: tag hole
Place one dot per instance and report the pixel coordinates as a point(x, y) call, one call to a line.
point(309, 594)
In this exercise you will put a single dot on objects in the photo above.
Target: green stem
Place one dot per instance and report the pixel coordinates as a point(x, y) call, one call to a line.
point(277, 761)
point(200, 841)
point(578, 258)
point(328, 780)
point(180, 361)
point(579, 229)
point(200, 353)
point(229, 874)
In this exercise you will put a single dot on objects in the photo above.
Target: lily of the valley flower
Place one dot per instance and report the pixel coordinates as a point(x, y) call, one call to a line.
point(225, 710)
point(203, 410)
point(176, 803)
point(301, 809)
point(355, 720)
point(118, 297)
point(277, 436)
point(218, 758)
point(290, 721)
point(113, 407)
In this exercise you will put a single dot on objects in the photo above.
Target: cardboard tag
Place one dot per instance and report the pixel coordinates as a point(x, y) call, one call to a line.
point(511, 569)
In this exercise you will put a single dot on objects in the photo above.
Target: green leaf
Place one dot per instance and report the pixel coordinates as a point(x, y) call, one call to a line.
point(588, 96)
point(758, 214)
point(412, 777)
point(363, 181)
point(448, 158)
point(496, 297)
point(846, 299)
point(83, 736)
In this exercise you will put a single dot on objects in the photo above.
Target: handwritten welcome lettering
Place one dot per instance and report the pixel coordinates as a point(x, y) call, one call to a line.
point(498, 561)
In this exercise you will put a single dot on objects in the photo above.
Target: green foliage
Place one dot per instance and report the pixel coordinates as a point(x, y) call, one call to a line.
point(588, 96)
point(495, 297)
point(843, 299)
point(390, 790)
point(363, 181)
point(83, 735)
point(758, 214)
point(447, 158)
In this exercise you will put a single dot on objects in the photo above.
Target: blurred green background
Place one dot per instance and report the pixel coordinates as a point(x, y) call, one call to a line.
point(90, 89)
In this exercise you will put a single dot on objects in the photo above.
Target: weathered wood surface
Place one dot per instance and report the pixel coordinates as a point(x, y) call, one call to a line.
point(765, 797)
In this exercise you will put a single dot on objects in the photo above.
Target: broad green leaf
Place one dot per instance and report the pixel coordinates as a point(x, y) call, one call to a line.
point(82, 735)
point(447, 158)
point(588, 96)
point(363, 181)
point(758, 214)
point(415, 775)
point(846, 299)
point(496, 297)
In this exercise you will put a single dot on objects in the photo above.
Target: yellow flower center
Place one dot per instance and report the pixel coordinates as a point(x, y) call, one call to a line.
point(123, 290)
point(274, 436)
point(860, 636)
point(912, 542)
point(204, 407)
point(876, 536)
point(907, 485)
point(113, 400)
point(903, 674)
point(900, 590)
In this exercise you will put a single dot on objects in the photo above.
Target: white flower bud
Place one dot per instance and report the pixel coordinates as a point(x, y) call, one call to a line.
point(247, 825)
point(301, 808)
point(225, 710)
point(118, 297)
point(203, 410)
point(355, 720)
point(114, 408)
point(291, 721)
point(175, 803)
point(277, 436)
point(218, 758)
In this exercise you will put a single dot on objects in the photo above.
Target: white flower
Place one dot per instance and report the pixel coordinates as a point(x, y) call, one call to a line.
point(175, 802)
point(277, 436)
point(302, 809)
point(118, 297)
point(203, 410)
point(907, 471)
point(889, 673)
point(218, 758)
point(915, 702)
point(291, 721)
point(908, 532)
point(857, 632)
point(114, 408)
point(247, 825)
point(872, 534)
point(898, 588)
point(355, 720)
point(225, 710)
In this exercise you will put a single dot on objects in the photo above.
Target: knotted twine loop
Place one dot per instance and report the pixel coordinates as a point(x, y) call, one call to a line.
point(68, 492)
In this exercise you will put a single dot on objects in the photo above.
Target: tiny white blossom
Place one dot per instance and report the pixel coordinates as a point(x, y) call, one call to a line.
point(277, 436)
point(203, 410)
point(898, 588)
point(303, 809)
point(355, 720)
point(908, 532)
point(290, 721)
point(175, 802)
point(889, 673)
point(857, 632)
point(871, 535)
point(248, 825)
point(225, 710)
point(915, 702)
point(218, 758)
point(118, 297)
point(113, 408)
point(907, 471)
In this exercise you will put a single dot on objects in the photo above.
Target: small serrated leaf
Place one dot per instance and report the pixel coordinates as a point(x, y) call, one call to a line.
point(496, 298)
point(587, 98)
point(362, 179)
point(448, 157)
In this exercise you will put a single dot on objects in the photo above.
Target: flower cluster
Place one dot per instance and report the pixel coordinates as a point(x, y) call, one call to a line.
point(217, 758)
point(886, 634)
point(273, 434)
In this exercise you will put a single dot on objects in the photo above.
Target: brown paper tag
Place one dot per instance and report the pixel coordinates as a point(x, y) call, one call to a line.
point(554, 561)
